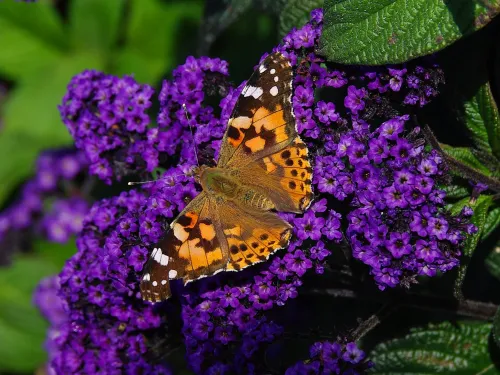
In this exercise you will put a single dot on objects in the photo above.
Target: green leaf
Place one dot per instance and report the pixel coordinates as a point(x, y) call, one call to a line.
point(465, 155)
point(495, 330)
point(455, 191)
point(22, 328)
point(31, 118)
point(442, 348)
point(492, 262)
point(480, 207)
point(32, 37)
point(94, 24)
point(151, 36)
point(296, 13)
point(394, 31)
point(483, 121)
point(492, 222)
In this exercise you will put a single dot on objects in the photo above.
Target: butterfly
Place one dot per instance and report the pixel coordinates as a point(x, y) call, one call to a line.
point(263, 167)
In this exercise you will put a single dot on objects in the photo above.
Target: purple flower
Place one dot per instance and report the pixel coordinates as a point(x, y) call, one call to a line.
point(353, 354)
point(393, 127)
point(309, 226)
point(398, 244)
point(297, 262)
point(325, 112)
point(438, 227)
point(354, 99)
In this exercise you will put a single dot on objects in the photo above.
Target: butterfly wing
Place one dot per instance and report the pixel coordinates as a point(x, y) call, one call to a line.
point(262, 121)
point(251, 236)
point(285, 176)
point(190, 249)
point(261, 142)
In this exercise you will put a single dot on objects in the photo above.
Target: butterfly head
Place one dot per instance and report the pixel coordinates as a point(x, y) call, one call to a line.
point(197, 172)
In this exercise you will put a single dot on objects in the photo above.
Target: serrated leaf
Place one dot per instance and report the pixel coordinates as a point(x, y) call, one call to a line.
point(150, 41)
point(93, 24)
point(480, 207)
point(465, 155)
point(32, 37)
point(483, 121)
point(21, 326)
point(442, 348)
point(492, 222)
point(492, 262)
point(455, 191)
point(31, 120)
point(394, 31)
point(296, 13)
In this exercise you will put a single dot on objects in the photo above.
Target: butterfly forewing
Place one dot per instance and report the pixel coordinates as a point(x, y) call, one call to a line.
point(262, 121)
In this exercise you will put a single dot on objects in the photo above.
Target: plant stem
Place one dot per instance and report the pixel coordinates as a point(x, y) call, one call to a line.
point(370, 323)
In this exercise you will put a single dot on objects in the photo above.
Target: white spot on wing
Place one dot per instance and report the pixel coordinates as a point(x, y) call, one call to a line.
point(159, 257)
point(164, 260)
point(155, 283)
point(172, 274)
point(156, 255)
point(163, 282)
point(153, 253)
point(262, 68)
point(273, 71)
point(256, 92)
point(276, 79)
point(146, 277)
point(274, 91)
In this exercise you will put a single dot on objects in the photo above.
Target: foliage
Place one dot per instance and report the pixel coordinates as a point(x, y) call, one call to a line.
point(453, 349)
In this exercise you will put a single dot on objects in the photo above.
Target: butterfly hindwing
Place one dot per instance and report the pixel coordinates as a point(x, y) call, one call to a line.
point(285, 176)
point(189, 250)
point(251, 236)
point(262, 121)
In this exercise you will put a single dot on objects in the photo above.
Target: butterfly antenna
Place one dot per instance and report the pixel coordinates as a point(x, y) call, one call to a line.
point(192, 133)
point(131, 183)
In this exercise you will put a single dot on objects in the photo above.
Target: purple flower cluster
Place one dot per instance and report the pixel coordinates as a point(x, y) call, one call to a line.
point(399, 227)
point(107, 118)
point(56, 218)
point(332, 358)
point(397, 224)
point(106, 320)
point(182, 106)
point(52, 308)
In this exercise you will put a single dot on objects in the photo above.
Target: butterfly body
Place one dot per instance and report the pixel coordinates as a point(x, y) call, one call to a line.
point(226, 185)
point(263, 166)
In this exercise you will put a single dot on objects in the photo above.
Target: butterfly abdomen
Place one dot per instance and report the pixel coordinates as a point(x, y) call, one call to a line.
point(254, 199)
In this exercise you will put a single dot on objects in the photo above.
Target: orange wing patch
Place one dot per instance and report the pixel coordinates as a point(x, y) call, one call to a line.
point(292, 168)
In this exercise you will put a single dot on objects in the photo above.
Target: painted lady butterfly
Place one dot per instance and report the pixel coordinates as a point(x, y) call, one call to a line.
point(263, 166)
